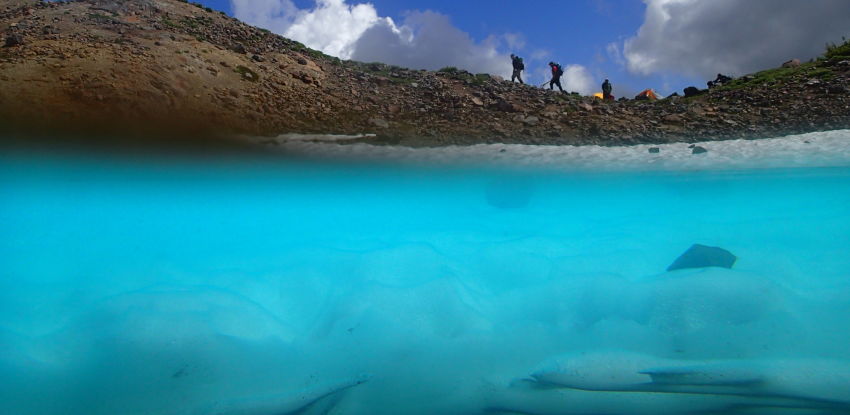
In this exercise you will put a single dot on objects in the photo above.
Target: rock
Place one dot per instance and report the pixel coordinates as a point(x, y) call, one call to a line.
point(699, 150)
point(301, 60)
point(837, 89)
point(813, 82)
point(793, 63)
point(673, 119)
point(505, 106)
point(477, 101)
point(14, 40)
point(49, 30)
point(239, 48)
point(654, 150)
point(531, 121)
point(258, 58)
point(701, 256)
point(378, 122)
point(585, 106)
point(693, 91)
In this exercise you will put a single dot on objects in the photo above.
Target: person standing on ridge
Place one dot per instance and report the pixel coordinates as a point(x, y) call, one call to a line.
point(518, 68)
point(557, 72)
point(606, 90)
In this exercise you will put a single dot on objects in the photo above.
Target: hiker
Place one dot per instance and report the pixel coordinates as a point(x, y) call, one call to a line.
point(720, 80)
point(606, 90)
point(557, 72)
point(518, 68)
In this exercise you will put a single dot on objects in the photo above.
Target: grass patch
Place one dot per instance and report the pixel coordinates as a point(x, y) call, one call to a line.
point(449, 70)
point(247, 74)
point(838, 52)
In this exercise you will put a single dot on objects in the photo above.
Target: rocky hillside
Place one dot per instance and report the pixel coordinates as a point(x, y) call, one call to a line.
point(167, 65)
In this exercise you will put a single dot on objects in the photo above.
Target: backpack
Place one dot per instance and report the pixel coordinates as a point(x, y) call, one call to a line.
point(559, 70)
point(518, 65)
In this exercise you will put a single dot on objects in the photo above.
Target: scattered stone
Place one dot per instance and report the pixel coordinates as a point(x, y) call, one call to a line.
point(301, 60)
point(699, 150)
point(531, 121)
point(477, 101)
point(673, 119)
point(654, 150)
point(240, 49)
point(701, 256)
point(258, 58)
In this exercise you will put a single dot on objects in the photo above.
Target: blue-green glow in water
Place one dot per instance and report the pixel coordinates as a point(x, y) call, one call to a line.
point(248, 287)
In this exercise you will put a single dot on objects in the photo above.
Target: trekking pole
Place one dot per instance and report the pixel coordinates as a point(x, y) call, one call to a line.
point(544, 84)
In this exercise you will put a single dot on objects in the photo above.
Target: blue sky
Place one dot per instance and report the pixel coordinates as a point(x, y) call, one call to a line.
point(661, 44)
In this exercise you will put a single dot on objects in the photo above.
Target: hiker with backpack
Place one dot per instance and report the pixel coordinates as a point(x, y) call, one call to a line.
point(606, 90)
point(519, 66)
point(557, 72)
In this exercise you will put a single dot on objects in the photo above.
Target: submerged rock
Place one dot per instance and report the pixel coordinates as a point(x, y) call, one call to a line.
point(701, 256)
point(699, 150)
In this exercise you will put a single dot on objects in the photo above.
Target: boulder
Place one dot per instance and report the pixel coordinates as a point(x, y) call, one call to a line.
point(654, 150)
point(693, 91)
point(698, 150)
point(239, 48)
point(701, 256)
point(14, 40)
point(793, 63)
point(531, 121)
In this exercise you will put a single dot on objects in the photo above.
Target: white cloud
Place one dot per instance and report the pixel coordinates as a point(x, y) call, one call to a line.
point(702, 38)
point(426, 40)
point(578, 79)
point(614, 53)
point(274, 15)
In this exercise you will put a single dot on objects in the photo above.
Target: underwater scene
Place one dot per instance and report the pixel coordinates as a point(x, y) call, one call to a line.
point(272, 286)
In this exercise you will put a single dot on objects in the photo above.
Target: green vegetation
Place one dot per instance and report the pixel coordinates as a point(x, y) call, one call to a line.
point(814, 69)
point(247, 74)
point(449, 70)
point(480, 79)
point(838, 52)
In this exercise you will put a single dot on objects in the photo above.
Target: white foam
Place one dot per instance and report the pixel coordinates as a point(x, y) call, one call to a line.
point(820, 149)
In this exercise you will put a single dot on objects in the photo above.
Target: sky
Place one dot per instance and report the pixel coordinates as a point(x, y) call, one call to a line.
point(665, 45)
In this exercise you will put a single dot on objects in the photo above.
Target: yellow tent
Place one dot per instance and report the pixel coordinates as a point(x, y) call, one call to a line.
point(598, 95)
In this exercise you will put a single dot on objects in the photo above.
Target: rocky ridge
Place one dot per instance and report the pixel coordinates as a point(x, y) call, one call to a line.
point(153, 65)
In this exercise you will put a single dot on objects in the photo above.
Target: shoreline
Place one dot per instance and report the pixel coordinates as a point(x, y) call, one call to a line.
point(816, 149)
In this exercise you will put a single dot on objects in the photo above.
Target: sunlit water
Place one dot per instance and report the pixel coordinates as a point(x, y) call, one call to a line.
point(269, 287)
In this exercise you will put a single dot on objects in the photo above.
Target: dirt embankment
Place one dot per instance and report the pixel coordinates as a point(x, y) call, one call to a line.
point(165, 65)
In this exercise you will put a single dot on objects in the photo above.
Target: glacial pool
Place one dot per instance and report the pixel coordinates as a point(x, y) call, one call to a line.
point(239, 286)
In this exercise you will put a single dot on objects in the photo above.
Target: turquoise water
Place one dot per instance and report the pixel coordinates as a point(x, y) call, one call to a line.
point(269, 287)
